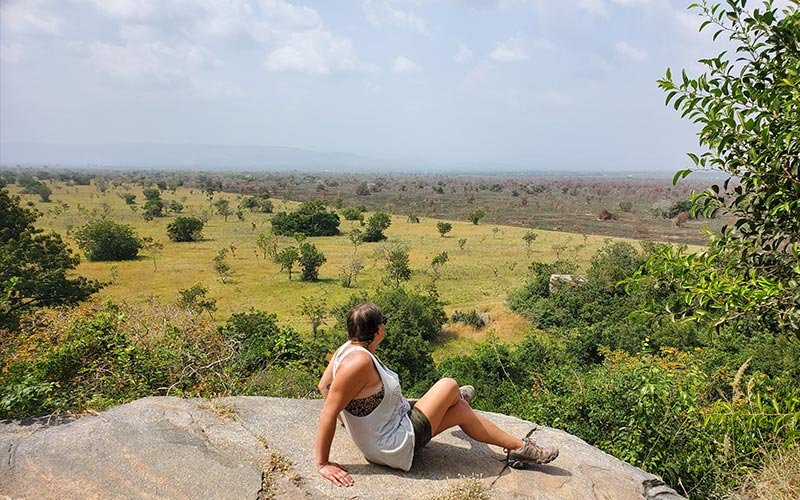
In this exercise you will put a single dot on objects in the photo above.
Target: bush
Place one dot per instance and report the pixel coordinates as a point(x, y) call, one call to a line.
point(476, 215)
point(185, 229)
point(310, 261)
point(97, 358)
point(105, 240)
point(310, 219)
point(352, 213)
point(376, 225)
point(259, 342)
point(34, 267)
point(444, 228)
point(260, 203)
point(471, 318)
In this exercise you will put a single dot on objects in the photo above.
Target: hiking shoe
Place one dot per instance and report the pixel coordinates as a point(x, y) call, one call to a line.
point(533, 453)
point(467, 393)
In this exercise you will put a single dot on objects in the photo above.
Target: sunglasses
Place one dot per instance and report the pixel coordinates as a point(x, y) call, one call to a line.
point(384, 319)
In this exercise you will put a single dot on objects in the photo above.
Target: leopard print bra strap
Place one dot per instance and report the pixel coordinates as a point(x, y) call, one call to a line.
point(364, 406)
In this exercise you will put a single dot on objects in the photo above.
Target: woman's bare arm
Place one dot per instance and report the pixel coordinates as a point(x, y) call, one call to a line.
point(326, 379)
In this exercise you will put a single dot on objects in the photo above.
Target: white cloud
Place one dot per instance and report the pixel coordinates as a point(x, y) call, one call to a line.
point(627, 51)
point(28, 17)
point(126, 9)
point(593, 6)
point(383, 12)
point(464, 54)
point(509, 51)
point(404, 65)
point(11, 53)
point(315, 52)
point(631, 3)
point(148, 63)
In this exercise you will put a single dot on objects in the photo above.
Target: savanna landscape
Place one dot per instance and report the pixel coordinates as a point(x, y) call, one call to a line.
point(655, 317)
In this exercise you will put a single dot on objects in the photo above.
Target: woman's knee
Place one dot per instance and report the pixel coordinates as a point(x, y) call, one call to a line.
point(449, 383)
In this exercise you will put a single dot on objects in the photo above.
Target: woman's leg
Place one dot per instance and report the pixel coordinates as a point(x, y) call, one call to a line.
point(443, 406)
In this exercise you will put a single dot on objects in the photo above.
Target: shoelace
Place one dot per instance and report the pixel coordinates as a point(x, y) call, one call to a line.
point(514, 464)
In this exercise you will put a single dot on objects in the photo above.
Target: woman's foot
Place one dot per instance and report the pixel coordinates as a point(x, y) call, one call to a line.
point(467, 393)
point(532, 452)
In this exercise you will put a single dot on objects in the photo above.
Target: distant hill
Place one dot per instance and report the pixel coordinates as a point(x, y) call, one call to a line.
point(184, 156)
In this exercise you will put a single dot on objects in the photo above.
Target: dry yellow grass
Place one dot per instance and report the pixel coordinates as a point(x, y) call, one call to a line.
point(480, 276)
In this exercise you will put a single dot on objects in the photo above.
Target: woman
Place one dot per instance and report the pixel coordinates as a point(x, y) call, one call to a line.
point(357, 386)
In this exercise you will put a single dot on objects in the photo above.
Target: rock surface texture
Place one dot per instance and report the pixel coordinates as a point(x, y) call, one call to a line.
point(259, 448)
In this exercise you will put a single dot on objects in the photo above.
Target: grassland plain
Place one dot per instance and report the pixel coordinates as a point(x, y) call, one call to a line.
point(493, 261)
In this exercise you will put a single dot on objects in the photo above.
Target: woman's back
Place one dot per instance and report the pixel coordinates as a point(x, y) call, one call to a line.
point(385, 435)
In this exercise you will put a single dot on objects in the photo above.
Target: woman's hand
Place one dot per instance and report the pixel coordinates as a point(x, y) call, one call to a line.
point(336, 474)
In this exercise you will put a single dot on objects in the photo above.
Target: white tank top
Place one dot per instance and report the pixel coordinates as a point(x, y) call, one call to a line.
point(386, 435)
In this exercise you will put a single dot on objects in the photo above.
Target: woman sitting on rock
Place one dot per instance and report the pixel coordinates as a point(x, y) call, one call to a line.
point(381, 422)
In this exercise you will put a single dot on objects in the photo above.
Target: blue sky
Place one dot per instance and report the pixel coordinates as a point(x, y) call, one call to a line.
point(539, 84)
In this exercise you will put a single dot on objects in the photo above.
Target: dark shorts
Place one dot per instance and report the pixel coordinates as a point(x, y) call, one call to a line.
point(422, 427)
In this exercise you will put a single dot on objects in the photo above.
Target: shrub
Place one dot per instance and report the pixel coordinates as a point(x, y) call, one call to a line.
point(376, 225)
point(287, 259)
point(444, 228)
point(129, 198)
point(260, 203)
point(34, 266)
point(471, 318)
point(352, 213)
point(310, 260)
point(185, 229)
point(105, 240)
point(96, 358)
point(310, 219)
point(194, 299)
point(476, 215)
point(259, 342)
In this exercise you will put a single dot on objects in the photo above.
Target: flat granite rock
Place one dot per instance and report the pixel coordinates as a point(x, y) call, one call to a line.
point(258, 448)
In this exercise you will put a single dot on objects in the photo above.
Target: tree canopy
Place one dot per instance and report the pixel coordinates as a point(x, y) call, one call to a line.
point(310, 219)
point(748, 107)
point(34, 267)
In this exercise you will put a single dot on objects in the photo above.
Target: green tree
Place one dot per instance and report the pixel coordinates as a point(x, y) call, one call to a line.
point(395, 254)
point(310, 219)
point(185, 229)
point(529, 238)
point(221, 265)
point(476, 215)
point(314, 309)
point(437, 263)
point(444, 228)
point(195, 298)
point(104, 240)
point(268, 245)
point(223, 208)
point(31, 185)
point(34, 266)
point(154, 205)
point(376, 225)
point(175, 207)
point(310, 260)
point(287, 258)
point(749, 114)
point(352, 213)
point(259, 341)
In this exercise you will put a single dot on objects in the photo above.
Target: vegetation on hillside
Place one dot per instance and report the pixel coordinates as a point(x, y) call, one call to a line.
point(685, 364)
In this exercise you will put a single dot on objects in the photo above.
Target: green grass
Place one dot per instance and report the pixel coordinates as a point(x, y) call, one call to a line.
point(480, 276)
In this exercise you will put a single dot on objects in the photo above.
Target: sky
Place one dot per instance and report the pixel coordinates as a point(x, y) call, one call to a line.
point(535, 84)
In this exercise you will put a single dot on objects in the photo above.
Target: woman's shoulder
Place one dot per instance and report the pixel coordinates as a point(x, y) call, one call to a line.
point(355, 358)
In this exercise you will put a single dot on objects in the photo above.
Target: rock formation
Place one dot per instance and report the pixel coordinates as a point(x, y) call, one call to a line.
point(259, 447)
